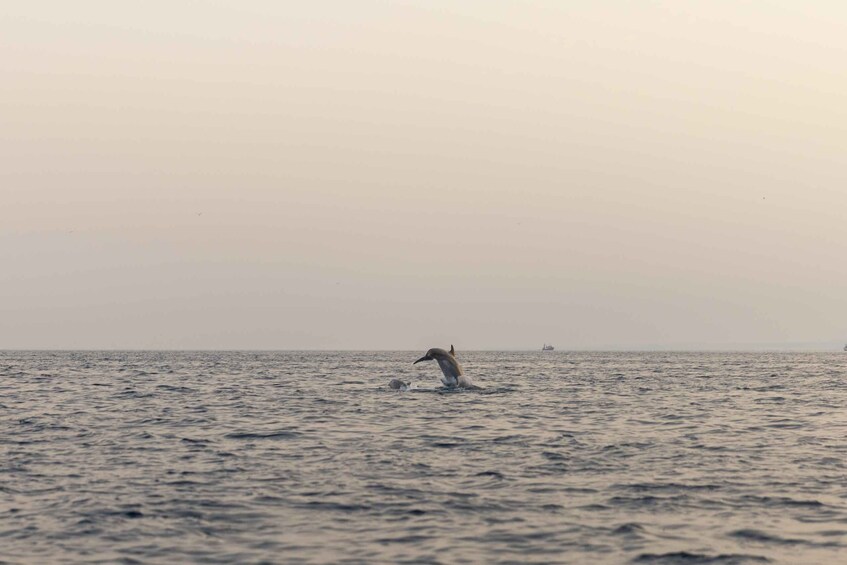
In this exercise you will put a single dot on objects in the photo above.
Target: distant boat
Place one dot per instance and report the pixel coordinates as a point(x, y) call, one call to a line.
point(546, 347)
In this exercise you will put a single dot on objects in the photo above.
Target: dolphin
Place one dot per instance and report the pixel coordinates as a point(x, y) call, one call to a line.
point(453, 374)
point(397, 384)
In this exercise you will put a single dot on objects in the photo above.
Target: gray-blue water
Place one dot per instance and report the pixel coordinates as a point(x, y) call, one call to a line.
point(288, 457)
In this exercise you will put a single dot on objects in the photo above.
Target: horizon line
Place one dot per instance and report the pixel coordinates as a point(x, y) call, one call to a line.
point(669, 349)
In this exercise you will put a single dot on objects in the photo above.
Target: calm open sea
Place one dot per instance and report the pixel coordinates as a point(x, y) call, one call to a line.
point(308, 457)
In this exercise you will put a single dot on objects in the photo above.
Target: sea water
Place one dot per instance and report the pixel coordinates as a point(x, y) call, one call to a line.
point(309, 457)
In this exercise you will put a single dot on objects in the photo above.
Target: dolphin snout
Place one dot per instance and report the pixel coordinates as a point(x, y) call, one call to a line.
point(424, 358)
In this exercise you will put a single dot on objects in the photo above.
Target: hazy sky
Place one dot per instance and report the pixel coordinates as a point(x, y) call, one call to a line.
point(379, 175)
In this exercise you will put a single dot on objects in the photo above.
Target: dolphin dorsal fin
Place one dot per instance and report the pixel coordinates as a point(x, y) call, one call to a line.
point(452, 351)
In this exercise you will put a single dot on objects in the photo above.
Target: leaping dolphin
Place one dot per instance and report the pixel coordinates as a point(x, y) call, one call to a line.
point(453, 374)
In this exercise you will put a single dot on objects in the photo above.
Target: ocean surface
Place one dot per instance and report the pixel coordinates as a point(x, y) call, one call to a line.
point(309, 457)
